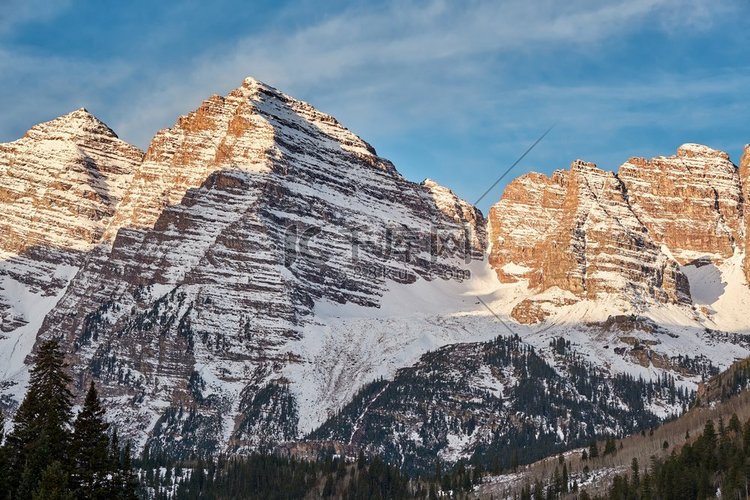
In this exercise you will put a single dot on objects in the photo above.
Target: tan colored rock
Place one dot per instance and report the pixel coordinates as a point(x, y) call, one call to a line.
point(576, 231)
point(521, 223)
point(592, 232)
point(537, 309)
point(745, 178)
point(62, 182)
point(648, 357)
point(690, 202)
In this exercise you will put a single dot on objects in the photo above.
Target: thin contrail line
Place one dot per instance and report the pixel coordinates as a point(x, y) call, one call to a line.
point(495, 315)
point(515, 163)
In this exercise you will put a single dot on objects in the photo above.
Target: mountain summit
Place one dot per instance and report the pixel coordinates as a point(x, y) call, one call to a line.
point(260, 275)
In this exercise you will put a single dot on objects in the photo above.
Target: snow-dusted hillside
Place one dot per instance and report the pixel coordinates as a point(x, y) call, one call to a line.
point(60, 186)
point(349, 346)
point(241, 282)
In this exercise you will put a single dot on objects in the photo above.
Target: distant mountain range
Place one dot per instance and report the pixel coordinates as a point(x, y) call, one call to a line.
point(260, 277)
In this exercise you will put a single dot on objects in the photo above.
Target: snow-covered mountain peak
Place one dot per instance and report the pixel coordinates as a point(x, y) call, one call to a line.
point(61, 185)
point(261, 263)
point(77, 125)
point(282, 109)
point(690, 150)
point(254, 128)
point(241, 219)
point(62, 182)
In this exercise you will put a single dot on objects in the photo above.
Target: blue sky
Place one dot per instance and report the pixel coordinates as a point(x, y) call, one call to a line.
point(454, 91)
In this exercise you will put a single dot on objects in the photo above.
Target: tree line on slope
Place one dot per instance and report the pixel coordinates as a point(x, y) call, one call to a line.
point(716, 463)
point(271, 476)
point(539, 412)
point(49, 455)
point(605, 400)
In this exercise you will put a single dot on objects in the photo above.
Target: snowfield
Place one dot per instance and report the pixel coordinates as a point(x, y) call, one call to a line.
point(349, 346)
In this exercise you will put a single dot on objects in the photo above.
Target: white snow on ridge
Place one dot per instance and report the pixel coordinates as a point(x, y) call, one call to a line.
point(725, 291)
point(350, 346)
point(17, 344)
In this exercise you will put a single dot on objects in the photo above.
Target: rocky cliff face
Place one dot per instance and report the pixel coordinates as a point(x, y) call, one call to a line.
point(591, 233)
point(577, 232)
point(239, 219)
point(690, 202)
point(745, 178)
point(61, 185)
point(237, 284)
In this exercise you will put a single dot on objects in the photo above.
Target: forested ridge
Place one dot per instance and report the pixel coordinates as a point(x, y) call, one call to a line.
point(271, 476)
point(715, 464)
point(52, 454)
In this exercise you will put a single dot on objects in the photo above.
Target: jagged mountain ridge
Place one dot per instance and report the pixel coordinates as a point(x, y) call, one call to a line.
point(592, 233)
point(200, 277)
point(262, 263)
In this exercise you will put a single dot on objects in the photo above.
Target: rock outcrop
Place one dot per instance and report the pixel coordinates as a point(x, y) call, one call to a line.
point(590, 233)
point(745, 178)
point(690, 202)
point(61, 185)
point(577, 231)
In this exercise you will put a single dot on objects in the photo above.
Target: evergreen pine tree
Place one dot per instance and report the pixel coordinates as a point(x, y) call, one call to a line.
point(115, 463)
point(557, 482)
point(609, 446)
point(92, 467)
point(328, 488)
point(53, 484)
point(129, 481)
point(593, 450)
point(734, 424)
point(433, 492)
point(646, 486)
point(43, 459)
point(40, 433)
point(635, 473)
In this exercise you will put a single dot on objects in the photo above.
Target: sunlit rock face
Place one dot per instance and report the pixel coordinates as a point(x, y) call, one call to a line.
point(690, 202)
point(62, 183)
point(60, 186)
point(579, 232)
point(745, 177)
point(236, 222)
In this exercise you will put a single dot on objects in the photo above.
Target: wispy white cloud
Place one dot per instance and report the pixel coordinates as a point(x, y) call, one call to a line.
point(416, 68)
point(45, 87)
point(14, 13)
point(408, 58)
